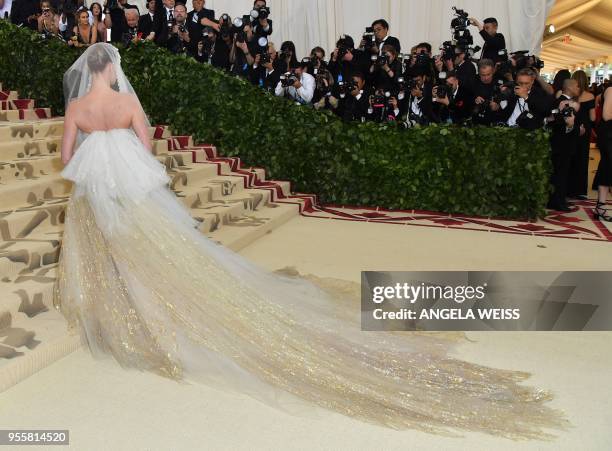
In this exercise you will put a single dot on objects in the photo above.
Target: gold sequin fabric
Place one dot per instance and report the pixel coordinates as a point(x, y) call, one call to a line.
point(157, 295)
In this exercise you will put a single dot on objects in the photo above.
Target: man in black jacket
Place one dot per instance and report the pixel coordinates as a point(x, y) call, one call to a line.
point(145, 23)
point(381, 33)
point(563, 143)
point(528, 107)
point(197, 19)
point(457, 104)
point(494, 41)
point(24, 12)
point(464, 68)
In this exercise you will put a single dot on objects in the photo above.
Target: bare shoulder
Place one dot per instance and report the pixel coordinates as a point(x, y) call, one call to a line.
point(586, 96)
point(128, 99)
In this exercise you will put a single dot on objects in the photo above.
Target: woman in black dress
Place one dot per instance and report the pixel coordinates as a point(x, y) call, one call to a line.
point(603, 179)
point(579, 166)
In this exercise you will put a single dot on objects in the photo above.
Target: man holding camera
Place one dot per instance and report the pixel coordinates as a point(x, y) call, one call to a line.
point(115, 20)
point(483, 89)
point(261, 26)
point(453, 102)
point(563, 141)
point(494, 41)
point(197, 19)
point(528, 107)
point(420, 104)
point(354, 99)
point(380, 28)
point(264, 72)
point(298, 85)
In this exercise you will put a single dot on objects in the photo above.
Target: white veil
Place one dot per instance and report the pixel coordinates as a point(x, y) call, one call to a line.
point(78, 78)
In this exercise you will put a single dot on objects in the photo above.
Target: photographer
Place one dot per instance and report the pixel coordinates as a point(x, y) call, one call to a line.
point(261, 25)
point(385, 69)
point(197, 19)
point(453, 101)
point(114, 18)
point(564, 141)
point(131, 34)
point(297, 85)
point(324, 91)
point(345, 60)
point(317, 61)
point(526, 107)
point(353, 99)
point(266, 72)
point(463, 67)
point(178, 38)
point(494, 41)
point(483, 89)
point(163, 22)
point(241, 58)
point(420, 104)
point(287, 60)
point(380, 28)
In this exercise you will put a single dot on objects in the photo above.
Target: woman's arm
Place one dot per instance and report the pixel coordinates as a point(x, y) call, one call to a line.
point(139, 124)
point(94, 34)
point(70, 134)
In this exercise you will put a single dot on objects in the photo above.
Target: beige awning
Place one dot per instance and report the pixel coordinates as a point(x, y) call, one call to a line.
point(583, 34)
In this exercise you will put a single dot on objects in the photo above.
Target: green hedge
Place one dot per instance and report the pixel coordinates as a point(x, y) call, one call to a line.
point(478, 171)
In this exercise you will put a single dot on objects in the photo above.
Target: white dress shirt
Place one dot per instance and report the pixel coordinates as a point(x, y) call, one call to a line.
point(521, 105)
point(303, 94)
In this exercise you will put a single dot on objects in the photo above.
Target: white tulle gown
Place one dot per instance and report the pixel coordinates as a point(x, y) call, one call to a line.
point(141, 283)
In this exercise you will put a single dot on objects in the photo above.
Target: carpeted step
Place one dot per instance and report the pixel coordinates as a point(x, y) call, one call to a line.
point(31, 168)
point(25, 115)
point(8, 95)
point(17, 104)
point(13, 150)
point(29, 130)
point(30, 191)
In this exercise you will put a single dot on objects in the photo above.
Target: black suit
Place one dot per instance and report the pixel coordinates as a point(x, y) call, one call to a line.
point(352, 109)
point(145, 25)
point(260, 77)
point(460, 107)
point(539, 105)
point(120, 25)
point(466, 73)
point(390, 41)
point(195, 27)
point(492, 46)
point(22, 9)
point(563, 144)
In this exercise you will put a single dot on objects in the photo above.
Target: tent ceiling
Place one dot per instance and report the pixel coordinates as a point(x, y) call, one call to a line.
point(583, 34)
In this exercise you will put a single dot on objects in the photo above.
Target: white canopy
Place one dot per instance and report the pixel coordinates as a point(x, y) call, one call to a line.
point(582, 37)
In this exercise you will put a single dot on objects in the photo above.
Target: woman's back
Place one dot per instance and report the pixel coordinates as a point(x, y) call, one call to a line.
point(103, 109)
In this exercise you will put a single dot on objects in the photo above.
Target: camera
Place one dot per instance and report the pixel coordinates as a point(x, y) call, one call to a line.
point(321, 80)
point(422, 58)
point(382, 60)
point(568, 111)
point(461, 35)
point(369, 38)
point(442, 90)
point(448, 51)
point(288, 79)
point(346, 87)
point(238, 27)
point(504, 92)
point(260, 13)
point(461, 21)
point(207, 32)
point(182, 28)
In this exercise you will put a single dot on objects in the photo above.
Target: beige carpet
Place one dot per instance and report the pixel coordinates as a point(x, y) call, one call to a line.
point(107, 408)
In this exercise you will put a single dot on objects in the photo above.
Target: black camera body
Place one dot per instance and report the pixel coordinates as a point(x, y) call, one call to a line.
point(260, 13)
point(442, 90)
point(288, 79)
point(461, 20)
point(346, 87)
point(369, 38)
point(504, 92)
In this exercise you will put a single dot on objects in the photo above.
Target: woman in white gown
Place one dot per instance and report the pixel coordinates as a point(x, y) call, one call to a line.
point(143, 285)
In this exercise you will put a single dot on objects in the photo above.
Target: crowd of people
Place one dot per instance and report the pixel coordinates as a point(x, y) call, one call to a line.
point(369, 80)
